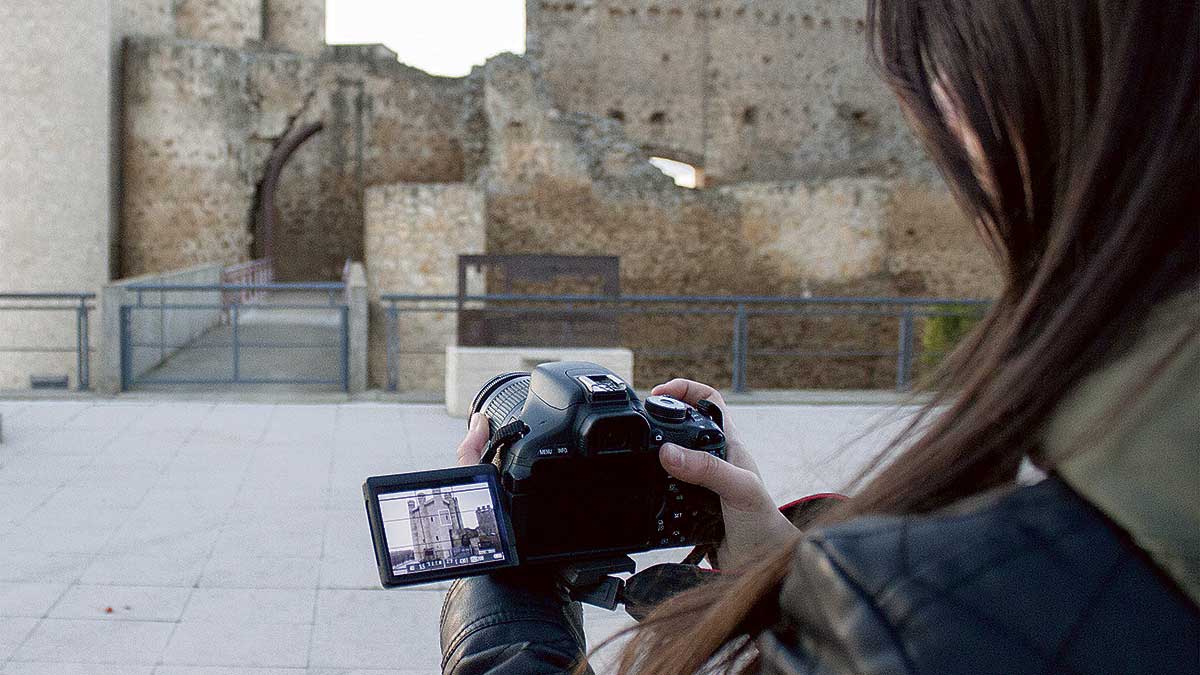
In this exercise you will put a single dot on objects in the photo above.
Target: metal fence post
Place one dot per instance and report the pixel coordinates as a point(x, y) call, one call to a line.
point(237, 348)
point(162, 326)
point(81, 346)
point(393, 347)
point(904, 353)
point(346, 348)
point(740, 336)
point(126, 351)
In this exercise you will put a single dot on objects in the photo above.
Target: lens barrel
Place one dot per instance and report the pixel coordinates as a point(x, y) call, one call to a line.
point(502, 398)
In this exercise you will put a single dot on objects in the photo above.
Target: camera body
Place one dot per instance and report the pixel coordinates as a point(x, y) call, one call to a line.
point(571, 476)
point(577, 454)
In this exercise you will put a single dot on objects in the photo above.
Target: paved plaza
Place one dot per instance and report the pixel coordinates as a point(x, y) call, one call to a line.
point(199, 538)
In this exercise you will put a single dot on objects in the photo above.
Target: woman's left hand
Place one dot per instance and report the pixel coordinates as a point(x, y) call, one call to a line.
point(472, 447)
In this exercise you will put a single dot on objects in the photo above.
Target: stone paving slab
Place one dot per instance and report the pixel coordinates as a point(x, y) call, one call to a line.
point(229, 537)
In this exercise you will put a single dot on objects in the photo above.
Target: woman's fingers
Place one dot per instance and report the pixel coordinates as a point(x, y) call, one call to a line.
point(739, 488)
point(471, 448)
point(688, 391)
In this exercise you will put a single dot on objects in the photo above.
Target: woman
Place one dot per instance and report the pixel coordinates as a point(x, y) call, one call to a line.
point(1070, 132)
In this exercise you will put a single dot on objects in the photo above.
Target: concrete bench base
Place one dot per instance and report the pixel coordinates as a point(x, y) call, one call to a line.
point(469, 368)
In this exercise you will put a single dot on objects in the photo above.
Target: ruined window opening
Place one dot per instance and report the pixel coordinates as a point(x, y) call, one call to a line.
point(617, 115)
point(658, 117)
point(750, 115)
point(666, 58)
point(684, 174)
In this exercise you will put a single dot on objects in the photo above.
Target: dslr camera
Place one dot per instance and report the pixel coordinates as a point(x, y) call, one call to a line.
point(570, 476)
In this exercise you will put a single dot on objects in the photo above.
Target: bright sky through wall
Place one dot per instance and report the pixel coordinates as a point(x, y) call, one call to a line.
point(445, 37)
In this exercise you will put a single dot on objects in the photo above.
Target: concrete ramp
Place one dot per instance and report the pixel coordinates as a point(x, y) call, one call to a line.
point(281, 340)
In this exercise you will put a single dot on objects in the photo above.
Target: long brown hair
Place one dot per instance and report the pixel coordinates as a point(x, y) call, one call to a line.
point(1069, 131)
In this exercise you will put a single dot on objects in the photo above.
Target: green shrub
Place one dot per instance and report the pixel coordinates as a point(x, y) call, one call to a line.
point(942, 333)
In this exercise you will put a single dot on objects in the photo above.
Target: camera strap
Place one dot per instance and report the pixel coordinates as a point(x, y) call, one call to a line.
point(503, 436)
point(591, 581)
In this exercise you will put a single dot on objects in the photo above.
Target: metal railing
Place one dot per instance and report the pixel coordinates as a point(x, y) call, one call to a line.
point(739, 309)
point(154, 297)
point(78, 303)
point(253, 273)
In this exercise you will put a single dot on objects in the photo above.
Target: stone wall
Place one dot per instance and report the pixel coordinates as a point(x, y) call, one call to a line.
point(230, 23)
point(202, 120)
point(931, 244)
point(296, 25)
point(768, 90)
point(572, 184)
point(188, 172)
point(814, 232)
point(414, 235)
point(818, 189)
point(54, 173)
point(384, 123)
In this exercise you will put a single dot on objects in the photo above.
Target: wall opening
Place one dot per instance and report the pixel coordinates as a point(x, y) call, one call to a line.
point(684, 174)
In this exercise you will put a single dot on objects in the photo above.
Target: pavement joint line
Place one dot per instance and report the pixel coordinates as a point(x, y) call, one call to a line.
point(195, 584)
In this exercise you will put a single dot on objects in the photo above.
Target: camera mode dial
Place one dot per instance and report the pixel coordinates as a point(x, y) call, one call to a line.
point(666, 408)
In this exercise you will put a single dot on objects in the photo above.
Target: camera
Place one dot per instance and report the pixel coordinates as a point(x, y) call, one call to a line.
point(570, 474)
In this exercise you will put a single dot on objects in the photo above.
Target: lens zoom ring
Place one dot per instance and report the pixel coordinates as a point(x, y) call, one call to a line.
point(506, 401)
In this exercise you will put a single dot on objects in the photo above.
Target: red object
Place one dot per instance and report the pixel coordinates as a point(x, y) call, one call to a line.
point(809, 498)
point(108, 610)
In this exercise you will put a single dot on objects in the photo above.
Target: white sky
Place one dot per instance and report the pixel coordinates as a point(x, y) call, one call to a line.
point(684, 174)
point(446, 37)
point(442, 37)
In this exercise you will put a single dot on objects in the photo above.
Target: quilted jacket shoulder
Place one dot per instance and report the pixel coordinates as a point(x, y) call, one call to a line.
point(1030, 580)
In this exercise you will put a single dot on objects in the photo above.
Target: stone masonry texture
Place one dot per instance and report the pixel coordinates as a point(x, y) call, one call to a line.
point(414, 234)
point(296, 25)
point(54, 174)
point(812, 182)
point(749, 91)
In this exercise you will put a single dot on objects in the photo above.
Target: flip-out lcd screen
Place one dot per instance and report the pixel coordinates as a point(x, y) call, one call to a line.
point(438, 524)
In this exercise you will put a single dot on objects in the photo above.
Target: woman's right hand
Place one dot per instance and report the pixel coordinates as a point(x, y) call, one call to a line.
point(753, 523)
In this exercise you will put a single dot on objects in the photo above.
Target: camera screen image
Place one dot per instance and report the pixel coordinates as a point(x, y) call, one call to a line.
point(439, 528)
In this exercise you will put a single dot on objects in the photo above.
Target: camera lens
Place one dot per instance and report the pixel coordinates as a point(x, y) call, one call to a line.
point(502, 398)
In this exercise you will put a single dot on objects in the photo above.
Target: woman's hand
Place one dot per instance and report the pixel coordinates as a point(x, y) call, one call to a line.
point(471, 448)
point(752, 521)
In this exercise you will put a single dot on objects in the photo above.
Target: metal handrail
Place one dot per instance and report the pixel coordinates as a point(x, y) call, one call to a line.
point(232, 294)
point(81, 305)
point(259, 271)
point(274, 286)
point(726, 299)
point(36, 295)
point(740, 307)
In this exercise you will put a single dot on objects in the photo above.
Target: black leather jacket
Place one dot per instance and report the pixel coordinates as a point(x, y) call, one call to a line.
point(1033, 580)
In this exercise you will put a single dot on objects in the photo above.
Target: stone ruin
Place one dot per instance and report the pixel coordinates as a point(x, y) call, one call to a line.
point(811, 182)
